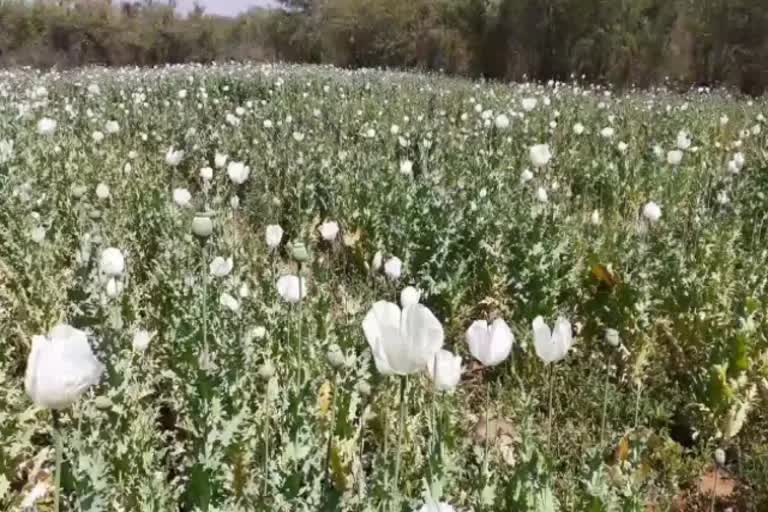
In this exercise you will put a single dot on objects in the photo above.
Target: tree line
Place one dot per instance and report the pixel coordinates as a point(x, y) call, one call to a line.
point(624, 42)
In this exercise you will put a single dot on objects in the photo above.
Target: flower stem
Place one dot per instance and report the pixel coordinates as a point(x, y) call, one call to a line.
point(605, 406)
point(299, 369)
point(400, 435)
point(551, 392)
point(487, 428)
point(204, 276)
point(59, 456)
point(637, 404)
point(331, 429)
point(265, 470)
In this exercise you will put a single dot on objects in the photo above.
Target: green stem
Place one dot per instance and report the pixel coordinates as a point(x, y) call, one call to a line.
point(400, 435)
point(204, 276)
point(487, 429)
point(551, 392)
point(605, 406)
point(265, 471)
point(59, 456)
point(299, 361)
point(331, 428)
point(637, 404)
point(362, 449)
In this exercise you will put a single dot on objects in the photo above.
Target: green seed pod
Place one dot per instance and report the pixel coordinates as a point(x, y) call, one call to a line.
point(299, 252)
point(202, 226)
point(335, 356)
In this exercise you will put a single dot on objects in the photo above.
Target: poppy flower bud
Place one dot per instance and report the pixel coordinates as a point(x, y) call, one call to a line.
point(720, 457)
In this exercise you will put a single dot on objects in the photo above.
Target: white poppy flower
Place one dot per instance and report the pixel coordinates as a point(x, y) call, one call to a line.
point(406, 167)
point(229, 302)
point(274, 235)
point(552, 345)
point(238, 172)
point(393, 268)
point(501, 122)
point(141, 339)
point(607, 132)
point(206, 174)
point(329, 230)
point(102, 191)
point(622, 147)
point(113, 288)
point(402, 341)
point(46, 126)
point(220, 160)
point(652, 212)
point(541, 195)
point(377, 260)
point(60, 367)
point(291, 289)
point(6, 151)
point(112, 127)
point(409, 296)
point(578, 128)
point(739, 160)
point(97, 137)
point(674, 157)
point(683, 140)
point(529, 104)
point(540, 155)
point(526, 176)
point(173, 156)
point(182, 197)
point(112, 262)
point(221, 267)
point(445, 370)
point(492, 344)
point(436, 507)
point(37, 234)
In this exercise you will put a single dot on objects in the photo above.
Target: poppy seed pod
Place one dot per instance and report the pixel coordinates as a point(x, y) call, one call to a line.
point(612, 337)
point(363, 388)
point(335, 356)
point(299, 252)
point(202, 226)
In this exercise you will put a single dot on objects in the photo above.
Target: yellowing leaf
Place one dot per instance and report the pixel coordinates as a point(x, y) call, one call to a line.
point(605, 275)
point(324, 399)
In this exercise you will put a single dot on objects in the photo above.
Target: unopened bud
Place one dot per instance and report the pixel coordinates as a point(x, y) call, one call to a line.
point(720, 457)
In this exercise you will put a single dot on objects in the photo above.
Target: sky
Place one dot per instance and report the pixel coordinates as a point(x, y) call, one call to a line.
point(224, 7)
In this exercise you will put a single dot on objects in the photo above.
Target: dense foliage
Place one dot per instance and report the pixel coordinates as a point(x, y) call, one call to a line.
point(622, 42)
point(645, 213)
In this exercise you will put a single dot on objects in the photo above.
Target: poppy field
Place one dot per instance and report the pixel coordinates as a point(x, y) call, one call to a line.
point(295, 288)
